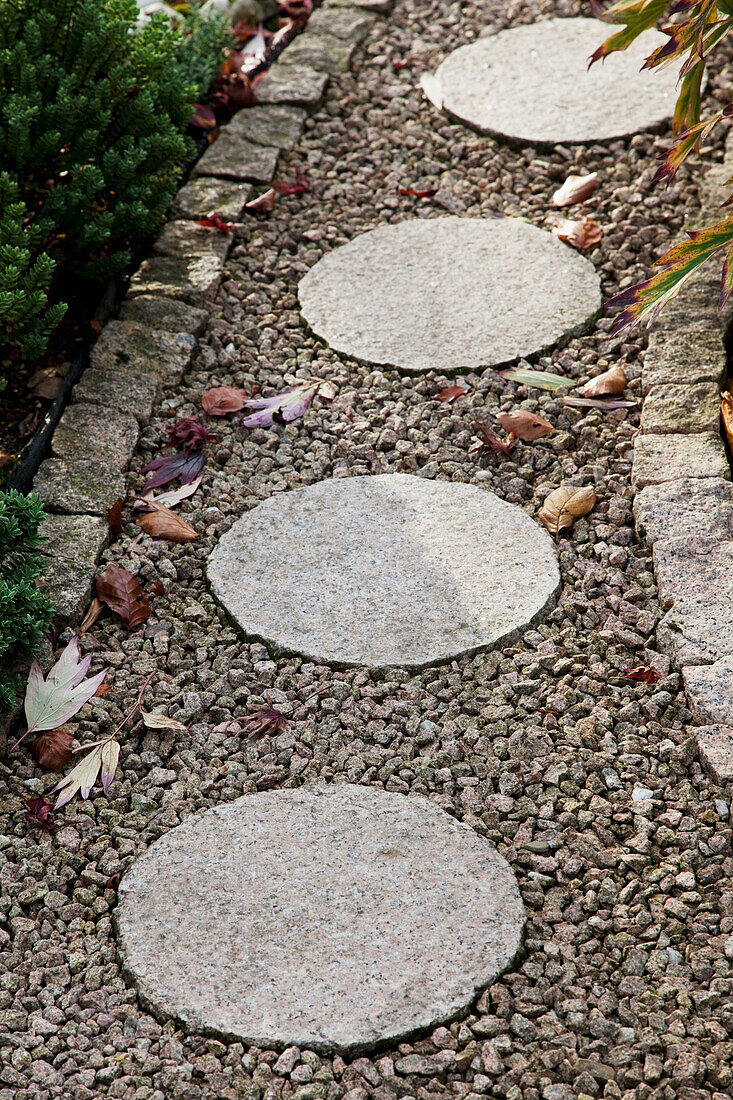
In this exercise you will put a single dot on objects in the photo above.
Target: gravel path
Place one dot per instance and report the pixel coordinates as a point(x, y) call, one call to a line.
point(585, 781)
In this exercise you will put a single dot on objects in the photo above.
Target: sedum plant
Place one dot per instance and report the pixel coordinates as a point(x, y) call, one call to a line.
point(25, 612)
point(93, 117)
point(693, 29)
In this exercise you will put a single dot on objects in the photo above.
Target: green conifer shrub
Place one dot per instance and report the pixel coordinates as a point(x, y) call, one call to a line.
point(93, 115)
point(24, 611)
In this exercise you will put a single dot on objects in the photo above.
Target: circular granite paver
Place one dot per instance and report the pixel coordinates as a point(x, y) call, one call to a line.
point(532, 83)
point(385, 570)
point(332, 918)
point(449, 293)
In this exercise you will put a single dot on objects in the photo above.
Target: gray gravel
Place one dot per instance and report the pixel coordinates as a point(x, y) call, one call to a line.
point(585, 781)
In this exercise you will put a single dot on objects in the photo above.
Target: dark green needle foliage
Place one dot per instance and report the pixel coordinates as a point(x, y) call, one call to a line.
point(93, 116)
point(25, 612)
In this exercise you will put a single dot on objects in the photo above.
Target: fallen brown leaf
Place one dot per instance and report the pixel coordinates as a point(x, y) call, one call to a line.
point(643, 673)
point(102, 690)
point(522, 424)
point(612, 381)
point(222, 400)
point(160, 721)
point(575, 189)
point(564, 505)
point(45, 383)
point(265, 721)
point(489, 442)
point(96, 608)
point(263, 204)
point(450, 393)
point(40, 815)
point(123, 594)
point(5, 459)
point(726, 409)
point(114, 516)
point(52, 748)
point(581, 234)
point(162, 523)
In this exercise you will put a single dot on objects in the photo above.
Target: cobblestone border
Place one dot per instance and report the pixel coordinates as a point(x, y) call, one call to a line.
point(683, 505)
point(155, 335)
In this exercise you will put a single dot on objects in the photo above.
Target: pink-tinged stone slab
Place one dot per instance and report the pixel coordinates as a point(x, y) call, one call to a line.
point(385, 570)
point(532, 84)
point(332, 918)
point(449, 293)
point(715, 745)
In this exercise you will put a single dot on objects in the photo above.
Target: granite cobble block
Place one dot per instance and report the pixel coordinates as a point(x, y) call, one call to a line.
point(715, 746)
point(96, 432)
point(691, 507)
point(688, 409)
point(325, 52)
point(674, 358)
point(81, 488)
point(673, 457)
point(299, 85)
point(710, 691)
point(343, 21)
point(232, 156)
point(695, 582)
point(165, 314)
point(206, 196)
point(270, 125)
point(185, 238)
point(72, 549)
point(189, 279)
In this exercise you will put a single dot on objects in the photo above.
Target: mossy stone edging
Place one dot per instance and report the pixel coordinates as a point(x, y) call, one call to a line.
point(684, 497)
point(154, 338)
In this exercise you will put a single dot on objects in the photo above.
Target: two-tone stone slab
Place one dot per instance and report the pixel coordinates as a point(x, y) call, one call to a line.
point(333, 918)
point(449, 293)
point(532, 84)
point(385, 570)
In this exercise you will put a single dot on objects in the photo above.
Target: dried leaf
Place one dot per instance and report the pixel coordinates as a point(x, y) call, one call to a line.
point(575, 189)
point(285, 406)
point(222, 400)
point(541, 379)
point(80, 779)
point(450, 393)
point(102, 690)
point(51, 702)
point(157, 588)
point(581, 234)
point(6, 459)
point(643, 673)
point(185, 467)
point(52, 748)
point(263, 204)
point(265, 721)
point(489, 443)
point(161, 523)
point(432, 89)
point(564, 505)
point(418, 192)
point(46, 383)
point(597, 403)
point(726, 410)
point(123, 594)
point(96, 608)
point(403, 63)
point(40, 815)
point(110, 756)
point(298, 187)
point(525, 425)
point(190, 434)
point(171, 498)
point(215, 221)
point(155, 721)
point(611, 382)
point(114, 516)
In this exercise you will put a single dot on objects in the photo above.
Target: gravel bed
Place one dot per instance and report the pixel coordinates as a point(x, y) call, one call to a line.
point(584, 780)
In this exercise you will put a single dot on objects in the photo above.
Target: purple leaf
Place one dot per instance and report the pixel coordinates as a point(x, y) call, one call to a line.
point(285, 406)
point(169, 467)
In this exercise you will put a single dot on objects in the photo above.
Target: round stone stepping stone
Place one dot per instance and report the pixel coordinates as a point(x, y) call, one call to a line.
point(332, 918)
point(532, 84)
point(385, 570)
point(449, 293)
